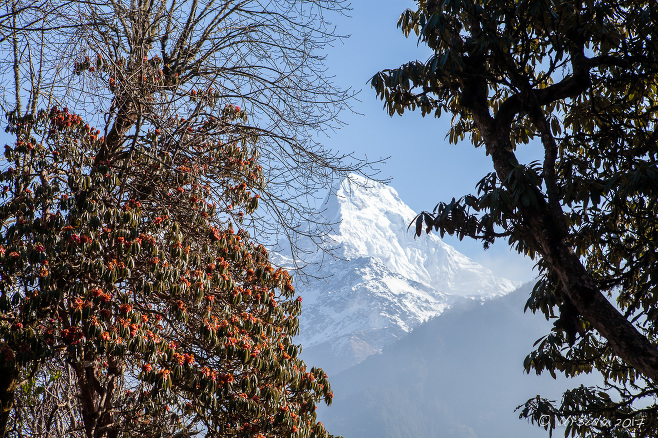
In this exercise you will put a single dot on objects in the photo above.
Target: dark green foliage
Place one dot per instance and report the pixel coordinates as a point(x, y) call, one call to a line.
point(577, 79)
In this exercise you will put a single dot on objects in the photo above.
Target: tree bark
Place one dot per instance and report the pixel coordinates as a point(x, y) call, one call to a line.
point(8, 380)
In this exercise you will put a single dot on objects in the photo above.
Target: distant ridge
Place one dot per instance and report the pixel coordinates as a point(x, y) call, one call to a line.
point(459, 375)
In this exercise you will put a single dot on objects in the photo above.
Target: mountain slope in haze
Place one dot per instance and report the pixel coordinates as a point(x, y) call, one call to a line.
point(384, 281)
point(459, 375)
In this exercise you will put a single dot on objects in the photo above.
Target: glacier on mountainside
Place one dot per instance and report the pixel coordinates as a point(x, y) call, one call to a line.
point(383, 282)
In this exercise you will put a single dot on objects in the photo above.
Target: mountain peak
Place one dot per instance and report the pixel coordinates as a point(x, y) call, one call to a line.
point(372, 222)
point(383, 282)
point(366, 213)
point(355, 193)
point(359, 190)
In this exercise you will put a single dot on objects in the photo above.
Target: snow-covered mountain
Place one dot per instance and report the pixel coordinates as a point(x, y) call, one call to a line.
point(384, 282)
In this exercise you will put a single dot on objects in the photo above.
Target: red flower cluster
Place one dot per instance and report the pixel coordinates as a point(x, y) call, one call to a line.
point(72, 335)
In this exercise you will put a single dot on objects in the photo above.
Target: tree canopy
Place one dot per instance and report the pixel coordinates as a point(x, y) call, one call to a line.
point(576, 83)
point(133, 298)
point(170, 321)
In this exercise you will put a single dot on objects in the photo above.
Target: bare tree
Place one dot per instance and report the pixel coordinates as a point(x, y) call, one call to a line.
point(264, 57)
point(46, 403)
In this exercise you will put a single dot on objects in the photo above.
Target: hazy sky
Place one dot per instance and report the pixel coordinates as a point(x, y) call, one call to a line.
point(424, 168)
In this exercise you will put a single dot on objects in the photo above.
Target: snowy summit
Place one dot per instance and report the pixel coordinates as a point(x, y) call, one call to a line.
point(384, 282)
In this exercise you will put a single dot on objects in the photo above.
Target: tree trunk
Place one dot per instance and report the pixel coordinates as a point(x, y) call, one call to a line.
point(577, 284)
point(8, 381)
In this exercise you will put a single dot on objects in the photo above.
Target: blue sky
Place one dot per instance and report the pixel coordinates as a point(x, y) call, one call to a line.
point(423, 167)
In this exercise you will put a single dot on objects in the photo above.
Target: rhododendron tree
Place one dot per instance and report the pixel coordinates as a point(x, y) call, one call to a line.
point(170, 319)
point(133, 300)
